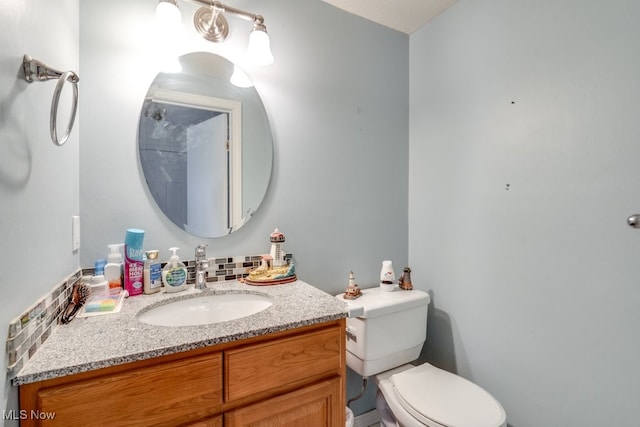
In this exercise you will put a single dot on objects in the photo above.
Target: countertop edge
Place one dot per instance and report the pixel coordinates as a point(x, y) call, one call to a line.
point(22, 379)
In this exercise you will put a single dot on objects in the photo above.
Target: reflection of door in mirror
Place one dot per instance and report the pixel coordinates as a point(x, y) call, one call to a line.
point(191, 158)
point(208, 193)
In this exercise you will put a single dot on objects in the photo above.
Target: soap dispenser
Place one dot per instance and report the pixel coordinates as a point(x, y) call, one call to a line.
point(174, 274)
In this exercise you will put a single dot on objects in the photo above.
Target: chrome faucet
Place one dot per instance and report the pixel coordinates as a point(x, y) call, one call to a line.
point(202, 264)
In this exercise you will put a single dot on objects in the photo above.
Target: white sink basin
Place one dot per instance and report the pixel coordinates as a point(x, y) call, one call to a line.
point(205, 309)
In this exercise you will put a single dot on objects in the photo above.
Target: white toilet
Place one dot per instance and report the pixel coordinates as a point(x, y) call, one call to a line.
point(387, 334)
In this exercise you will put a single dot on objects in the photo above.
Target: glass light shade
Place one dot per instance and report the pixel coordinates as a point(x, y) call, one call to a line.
point(168, 36)
point(168, 18)
point(259, 50)
point(239, 78)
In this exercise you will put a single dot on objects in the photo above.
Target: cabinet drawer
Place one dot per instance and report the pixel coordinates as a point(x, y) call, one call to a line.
point(175, 392)
point(317, 405)
point(261, 367)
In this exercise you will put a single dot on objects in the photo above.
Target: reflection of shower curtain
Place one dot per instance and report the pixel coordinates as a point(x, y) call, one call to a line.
point(207, 178)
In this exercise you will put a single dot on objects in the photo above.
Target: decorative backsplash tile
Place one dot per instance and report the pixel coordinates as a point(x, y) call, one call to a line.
point(29, 330)
point(231, 268)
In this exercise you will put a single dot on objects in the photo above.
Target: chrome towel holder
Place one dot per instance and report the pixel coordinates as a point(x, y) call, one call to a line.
point(36, 70)
point(634, 221)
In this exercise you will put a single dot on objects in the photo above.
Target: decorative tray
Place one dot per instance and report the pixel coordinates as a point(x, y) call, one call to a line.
point(280, 281)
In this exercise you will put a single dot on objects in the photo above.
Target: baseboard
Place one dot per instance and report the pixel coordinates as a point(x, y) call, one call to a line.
point(367, 419)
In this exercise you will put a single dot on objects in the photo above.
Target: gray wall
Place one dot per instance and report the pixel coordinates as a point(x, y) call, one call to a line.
point(38, 181)
point(340, 125)
point(525, 163)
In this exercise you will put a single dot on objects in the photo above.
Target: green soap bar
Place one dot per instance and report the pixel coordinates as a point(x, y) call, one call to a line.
point(106, 305)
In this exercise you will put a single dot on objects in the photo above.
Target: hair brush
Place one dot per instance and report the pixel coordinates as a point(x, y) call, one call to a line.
point(78, 298)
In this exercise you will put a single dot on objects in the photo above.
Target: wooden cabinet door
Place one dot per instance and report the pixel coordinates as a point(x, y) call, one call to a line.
point(211, 422)
point(316, 405)
point(171, 393)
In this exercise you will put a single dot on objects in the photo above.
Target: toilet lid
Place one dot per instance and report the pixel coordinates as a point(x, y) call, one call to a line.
point(432, 394)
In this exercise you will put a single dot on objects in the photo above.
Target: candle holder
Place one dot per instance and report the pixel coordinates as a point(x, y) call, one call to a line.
point(353, 290)
point(405, 280)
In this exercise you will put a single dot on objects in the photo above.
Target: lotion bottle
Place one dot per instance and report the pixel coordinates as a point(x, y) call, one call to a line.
point(114, 270)
point(97, 282)
point(152, 273)
point(174, 274)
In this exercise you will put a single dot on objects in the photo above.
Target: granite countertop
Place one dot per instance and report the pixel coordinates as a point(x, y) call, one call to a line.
point(95, 342)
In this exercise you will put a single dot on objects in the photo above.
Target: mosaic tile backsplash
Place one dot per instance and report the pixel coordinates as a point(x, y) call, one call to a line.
point(29, 330)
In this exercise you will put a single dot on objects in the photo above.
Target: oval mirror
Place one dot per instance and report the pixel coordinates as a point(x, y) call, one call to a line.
point(205, 146)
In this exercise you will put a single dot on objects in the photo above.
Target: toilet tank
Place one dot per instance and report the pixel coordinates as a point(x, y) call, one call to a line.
point(389, 331)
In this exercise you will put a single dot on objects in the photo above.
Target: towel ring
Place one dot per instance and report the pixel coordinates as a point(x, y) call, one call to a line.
point(37, 70)
point(71, 77)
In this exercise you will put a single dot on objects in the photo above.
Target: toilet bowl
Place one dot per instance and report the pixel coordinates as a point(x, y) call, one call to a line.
point(386, 332)
point(424, 395)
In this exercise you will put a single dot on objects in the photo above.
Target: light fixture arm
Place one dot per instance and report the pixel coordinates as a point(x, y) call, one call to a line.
point(214, 15)
point(228, 9)
point(210, 21)
point(221, 7)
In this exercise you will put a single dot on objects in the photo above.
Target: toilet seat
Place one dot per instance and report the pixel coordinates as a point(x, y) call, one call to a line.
point(434, 397)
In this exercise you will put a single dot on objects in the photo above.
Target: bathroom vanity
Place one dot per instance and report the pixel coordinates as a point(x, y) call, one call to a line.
point(282, 366)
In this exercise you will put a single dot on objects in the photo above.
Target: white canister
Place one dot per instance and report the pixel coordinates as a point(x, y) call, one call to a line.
point(387, 276)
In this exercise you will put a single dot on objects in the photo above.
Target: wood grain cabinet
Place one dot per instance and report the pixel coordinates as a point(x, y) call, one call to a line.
point(317, 405)
point(290, 378)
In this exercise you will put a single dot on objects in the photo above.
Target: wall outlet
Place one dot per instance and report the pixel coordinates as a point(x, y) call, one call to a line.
point(75, 233)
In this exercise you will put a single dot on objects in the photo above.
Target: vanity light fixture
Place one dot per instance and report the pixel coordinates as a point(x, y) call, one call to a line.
point(212, 24)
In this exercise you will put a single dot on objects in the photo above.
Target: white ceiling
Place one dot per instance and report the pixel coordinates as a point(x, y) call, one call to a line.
point(402, 15)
